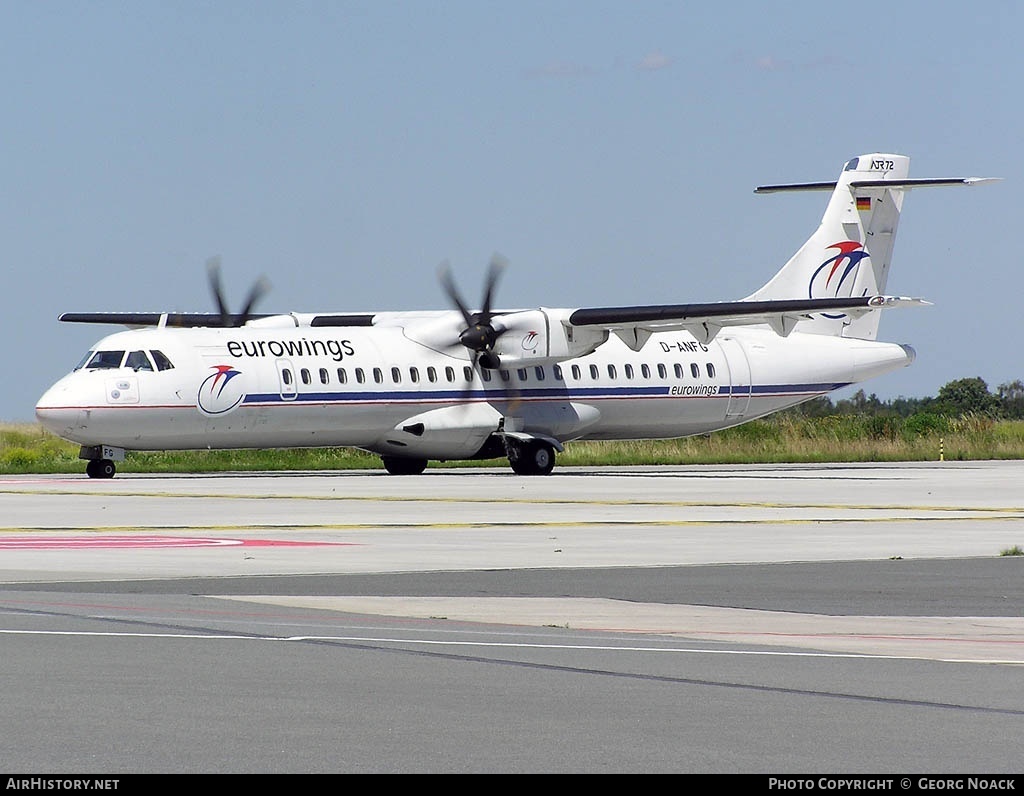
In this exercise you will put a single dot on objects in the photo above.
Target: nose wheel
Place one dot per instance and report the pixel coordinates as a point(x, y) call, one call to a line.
point(100, 468)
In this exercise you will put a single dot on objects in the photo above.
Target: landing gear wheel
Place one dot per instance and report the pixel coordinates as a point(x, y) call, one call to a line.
point(100, 468)
point(398, 465)
point(535, 457)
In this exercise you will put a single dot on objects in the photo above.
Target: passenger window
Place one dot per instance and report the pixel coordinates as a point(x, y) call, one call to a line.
point(505, 375)
point(662, 372)
point(360, 376)
point(593, 372)
point(449, 374)
point(467, 373)
point(286, 376)
point(137, 360)
point(378, 375)
point(162, 362)
point(611, 372)
point(342, 376)
point(576, 372)
point(694, 370)
point(325, 377)
point(305, 376)
point(679, 370)
point(629, 371)
point(431, 374)
point(539, 372)
point(414, 375)
point(557, 371)
point(645, 371)
point(396, 375)
point(711, 370)
point(485, 374)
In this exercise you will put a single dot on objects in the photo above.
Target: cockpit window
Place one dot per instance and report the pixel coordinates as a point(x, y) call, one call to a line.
point(83, 360)
point(162, 362)
point(137, 360)
point(104, 360)
point(851, 165)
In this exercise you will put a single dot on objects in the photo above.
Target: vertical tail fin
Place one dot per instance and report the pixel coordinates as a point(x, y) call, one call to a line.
point(850, 253)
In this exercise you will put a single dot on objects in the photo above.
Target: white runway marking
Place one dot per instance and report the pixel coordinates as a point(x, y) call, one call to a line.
point(988, 639)
point(494, 644)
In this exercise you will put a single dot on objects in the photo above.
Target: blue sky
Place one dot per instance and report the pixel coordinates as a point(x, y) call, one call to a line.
point(607, 149)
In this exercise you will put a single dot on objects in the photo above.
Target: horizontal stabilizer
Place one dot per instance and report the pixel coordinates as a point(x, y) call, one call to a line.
point(905, 184)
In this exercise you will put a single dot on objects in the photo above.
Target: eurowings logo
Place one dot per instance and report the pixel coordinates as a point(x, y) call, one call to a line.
point(220, 392)
point(835, 277)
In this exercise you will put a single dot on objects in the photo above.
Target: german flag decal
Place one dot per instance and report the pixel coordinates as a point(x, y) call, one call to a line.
point(863, 202)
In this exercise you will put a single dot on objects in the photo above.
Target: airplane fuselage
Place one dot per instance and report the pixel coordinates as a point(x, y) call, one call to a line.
point(378, 390)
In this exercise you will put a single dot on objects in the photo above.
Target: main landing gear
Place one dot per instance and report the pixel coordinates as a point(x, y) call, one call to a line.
point(527, 457)
point(398, 465)
point(532, 457)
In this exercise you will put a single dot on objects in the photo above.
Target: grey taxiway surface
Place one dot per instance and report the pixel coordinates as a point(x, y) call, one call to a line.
point(769, 619)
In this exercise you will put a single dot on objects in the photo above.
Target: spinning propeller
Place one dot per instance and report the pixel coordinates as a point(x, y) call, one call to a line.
point(480, 334)
point(227, 319)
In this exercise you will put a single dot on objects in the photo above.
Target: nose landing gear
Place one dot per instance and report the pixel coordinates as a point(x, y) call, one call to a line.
point(101, 460)
point(100, 468)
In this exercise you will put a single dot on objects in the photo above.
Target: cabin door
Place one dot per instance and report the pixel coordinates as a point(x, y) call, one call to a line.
point(739, 379)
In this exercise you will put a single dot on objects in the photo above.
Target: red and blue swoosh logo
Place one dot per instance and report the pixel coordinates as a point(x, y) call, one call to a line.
point(834, 278)
point(220, 392)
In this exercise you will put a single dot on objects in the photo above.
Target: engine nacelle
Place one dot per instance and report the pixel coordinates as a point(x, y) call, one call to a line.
point(538, 337)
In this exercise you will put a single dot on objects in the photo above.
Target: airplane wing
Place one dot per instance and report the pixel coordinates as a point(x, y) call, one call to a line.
point(184, 319)
point(210, 319)
point(635, 324)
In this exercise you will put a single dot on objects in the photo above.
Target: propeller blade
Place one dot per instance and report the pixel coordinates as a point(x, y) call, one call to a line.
point(481, 333)
point(445, 275)
point(497, 266)
point(227, 320)
point(258, 291)
point(213, 271)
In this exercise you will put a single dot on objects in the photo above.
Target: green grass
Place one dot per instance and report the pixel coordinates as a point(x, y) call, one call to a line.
point(28, 448)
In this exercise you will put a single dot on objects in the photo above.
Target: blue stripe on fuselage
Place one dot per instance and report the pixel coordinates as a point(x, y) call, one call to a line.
point(549, 393)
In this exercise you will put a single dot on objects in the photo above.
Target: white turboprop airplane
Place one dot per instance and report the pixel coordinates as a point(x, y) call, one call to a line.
point(491, 383)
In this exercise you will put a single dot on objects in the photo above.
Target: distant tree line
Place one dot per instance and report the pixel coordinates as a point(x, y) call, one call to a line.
point(959, 398)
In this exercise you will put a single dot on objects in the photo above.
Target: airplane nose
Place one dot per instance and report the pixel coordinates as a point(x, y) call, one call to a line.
point(46, 400)
point(54, 412)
